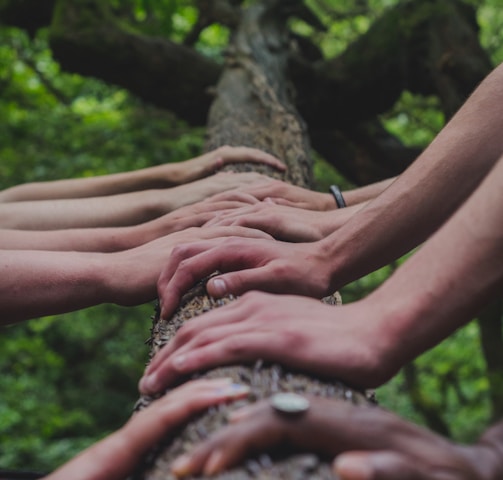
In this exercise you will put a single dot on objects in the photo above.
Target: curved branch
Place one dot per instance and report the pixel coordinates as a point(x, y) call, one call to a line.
point(87, 39)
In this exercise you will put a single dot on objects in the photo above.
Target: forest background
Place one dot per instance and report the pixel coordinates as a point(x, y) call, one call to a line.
point(67, 380)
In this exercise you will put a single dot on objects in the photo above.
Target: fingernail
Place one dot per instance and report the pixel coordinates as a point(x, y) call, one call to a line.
point(240, 414)
point(148, 383)
point(219, 287)
point(233, 390)
point(213, 465)
point(349, 467)
point(181, 467)
point(179, 361)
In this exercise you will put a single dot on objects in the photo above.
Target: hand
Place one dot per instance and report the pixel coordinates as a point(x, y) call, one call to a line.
point(372, 444)
point(210, 162)
point(202, 189)
point(194, 215)
point(282, 193)
point(132, 274)
point(283, 223)
point(116, 456)
point(335, 342)
point(255, 264)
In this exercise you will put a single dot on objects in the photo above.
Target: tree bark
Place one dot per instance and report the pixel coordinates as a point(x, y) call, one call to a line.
point(252, 107)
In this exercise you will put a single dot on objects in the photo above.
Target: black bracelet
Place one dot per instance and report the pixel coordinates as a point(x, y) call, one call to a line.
point(339, 199)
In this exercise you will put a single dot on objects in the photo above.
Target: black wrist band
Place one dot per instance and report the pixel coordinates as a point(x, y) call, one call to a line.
point(339, 199)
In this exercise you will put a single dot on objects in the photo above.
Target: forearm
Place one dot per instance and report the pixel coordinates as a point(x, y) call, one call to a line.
point(333, 220)
point(34, 283)
point(160, 176)
point(444, 284)
point(368, 192)
point(424, 196)
point(116, 210)
point(77, 239)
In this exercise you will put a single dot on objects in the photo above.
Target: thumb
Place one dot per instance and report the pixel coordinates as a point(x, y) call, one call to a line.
point(383, 465)
point(237, 283)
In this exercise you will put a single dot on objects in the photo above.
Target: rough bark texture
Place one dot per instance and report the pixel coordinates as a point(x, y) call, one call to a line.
point(252, 107)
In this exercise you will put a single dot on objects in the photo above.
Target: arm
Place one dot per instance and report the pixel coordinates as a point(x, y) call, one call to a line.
point(117, 210)
point(289, 224)
point(114, 239)
point(157, 177)
point(403, 216)
point(390, 449)
point(38, 283)
point(367, 342)
point(116, 456)
point(282, 193)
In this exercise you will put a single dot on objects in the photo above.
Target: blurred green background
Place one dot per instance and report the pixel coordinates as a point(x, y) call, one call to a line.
point(68, 380)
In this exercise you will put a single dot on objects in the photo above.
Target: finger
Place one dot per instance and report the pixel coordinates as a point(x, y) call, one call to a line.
point(241, 281)
point(247, 154)
point(241, 348)
point(198, 327)
point(186, 265)
point(233, 195)
point(178, 406)
point(189, 264)
point(232, 231)
point(230, 445)
point(385, 465)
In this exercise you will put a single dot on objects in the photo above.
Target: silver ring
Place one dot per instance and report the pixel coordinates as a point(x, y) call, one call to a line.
point(290, 404)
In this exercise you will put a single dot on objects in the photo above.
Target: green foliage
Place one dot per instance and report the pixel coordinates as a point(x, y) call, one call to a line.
point(68, 380)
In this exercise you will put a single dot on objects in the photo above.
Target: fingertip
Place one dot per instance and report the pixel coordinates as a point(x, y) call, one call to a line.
point(182, 466)
point(217, 287)
point(148, 384)
point(353, 467)
point(215, 463)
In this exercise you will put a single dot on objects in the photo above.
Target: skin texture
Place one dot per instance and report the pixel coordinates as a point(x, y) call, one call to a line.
point(423, 302)
point(114, 239)
point(160, 176)
point(408, 211)
point(285, 223)
point(118, 210)
point(117, 456)
point(372, 445)
point(34, 283)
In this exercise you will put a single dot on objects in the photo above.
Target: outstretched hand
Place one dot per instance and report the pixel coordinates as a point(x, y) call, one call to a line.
point(283, 193)
point(371, 444)
point(210, 162)
point(116, 456)
point(253, 264)
point(283, 223)
point(335, 342)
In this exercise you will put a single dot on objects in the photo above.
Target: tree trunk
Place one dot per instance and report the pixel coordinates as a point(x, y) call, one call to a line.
point(252, 107)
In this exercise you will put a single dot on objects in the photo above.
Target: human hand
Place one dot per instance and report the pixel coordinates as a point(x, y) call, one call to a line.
point(283, 223)
point(116, 456)
point(336, 342)
point(371, 444)
point(207, 187)
point(282, 193)
point(131, 275)
point(193, 215)
point(253, 264)
point(210, 162)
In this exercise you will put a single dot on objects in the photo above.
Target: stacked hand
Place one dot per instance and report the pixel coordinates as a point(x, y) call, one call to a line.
point(370, 444)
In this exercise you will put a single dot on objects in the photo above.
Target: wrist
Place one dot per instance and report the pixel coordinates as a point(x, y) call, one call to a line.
point(327, 202)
